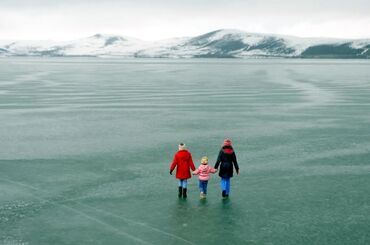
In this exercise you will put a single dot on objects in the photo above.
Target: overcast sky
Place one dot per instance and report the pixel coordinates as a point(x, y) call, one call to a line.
point(154, 20)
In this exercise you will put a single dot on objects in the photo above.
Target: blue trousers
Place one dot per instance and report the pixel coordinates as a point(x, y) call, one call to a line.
point(183, 183)
point(203, 186)
point(225, 185)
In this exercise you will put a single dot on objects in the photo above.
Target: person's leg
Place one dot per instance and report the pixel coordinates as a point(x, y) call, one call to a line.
point(200, 186)
point(205, 187)
point(223, 187)
point(184, 188)
point(180, 187)
point(227, 187)
point(184, 183)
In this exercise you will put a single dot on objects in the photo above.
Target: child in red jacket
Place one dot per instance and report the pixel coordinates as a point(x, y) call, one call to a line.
point(184, 162)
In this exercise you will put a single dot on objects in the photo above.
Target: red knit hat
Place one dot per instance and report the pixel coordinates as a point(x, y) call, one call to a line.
point(227, 142)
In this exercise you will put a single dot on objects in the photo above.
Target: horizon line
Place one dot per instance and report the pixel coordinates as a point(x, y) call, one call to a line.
point(174, 37)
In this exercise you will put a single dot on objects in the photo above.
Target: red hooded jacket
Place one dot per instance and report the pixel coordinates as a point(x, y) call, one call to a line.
point(184, 163)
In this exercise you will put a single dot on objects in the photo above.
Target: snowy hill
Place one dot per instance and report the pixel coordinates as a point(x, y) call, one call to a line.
point(99, 44)
point(96, 45)
point(225, 43)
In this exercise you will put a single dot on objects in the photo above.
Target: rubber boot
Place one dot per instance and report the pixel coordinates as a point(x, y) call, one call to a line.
point(223, 194)
point(184, 193)
point(180, 191)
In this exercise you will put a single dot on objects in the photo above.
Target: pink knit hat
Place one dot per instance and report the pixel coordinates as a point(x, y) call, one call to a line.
point(227, 142)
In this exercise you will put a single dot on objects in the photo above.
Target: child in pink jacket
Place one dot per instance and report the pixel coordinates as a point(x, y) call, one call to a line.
point(203, 171)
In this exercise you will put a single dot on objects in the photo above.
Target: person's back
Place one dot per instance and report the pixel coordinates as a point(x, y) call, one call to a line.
point(227, 161)
point(203, 172)
point(183, 162)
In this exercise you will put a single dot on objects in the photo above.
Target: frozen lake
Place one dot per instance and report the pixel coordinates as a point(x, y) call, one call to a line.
point(86, 145)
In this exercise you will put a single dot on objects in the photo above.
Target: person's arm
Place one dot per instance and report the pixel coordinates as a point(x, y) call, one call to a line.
point(235, 163)
point(212, 170)
point(218, 160)
point(191, 163)
point(173, 164)
point(196, 172)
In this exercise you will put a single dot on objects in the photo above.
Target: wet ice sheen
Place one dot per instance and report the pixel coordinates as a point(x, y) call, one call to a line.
point(86, 144)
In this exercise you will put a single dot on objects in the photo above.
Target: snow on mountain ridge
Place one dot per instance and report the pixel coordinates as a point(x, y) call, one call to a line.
point(218, 43)
point(361, 43)
point(102, 44)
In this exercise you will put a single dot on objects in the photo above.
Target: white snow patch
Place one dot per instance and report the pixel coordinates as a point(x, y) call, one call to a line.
point(357, 44)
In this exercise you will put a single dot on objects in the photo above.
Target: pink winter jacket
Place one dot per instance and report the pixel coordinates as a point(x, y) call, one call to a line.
point(203, 171)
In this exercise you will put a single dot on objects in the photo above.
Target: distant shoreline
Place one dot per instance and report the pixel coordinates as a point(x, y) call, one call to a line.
point(188, 58)
point(224, 43)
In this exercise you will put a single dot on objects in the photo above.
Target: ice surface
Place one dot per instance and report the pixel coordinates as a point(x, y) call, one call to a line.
point(86, 145)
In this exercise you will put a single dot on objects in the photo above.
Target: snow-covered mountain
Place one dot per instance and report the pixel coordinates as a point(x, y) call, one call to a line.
point(96, 45)
point(225, 43)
